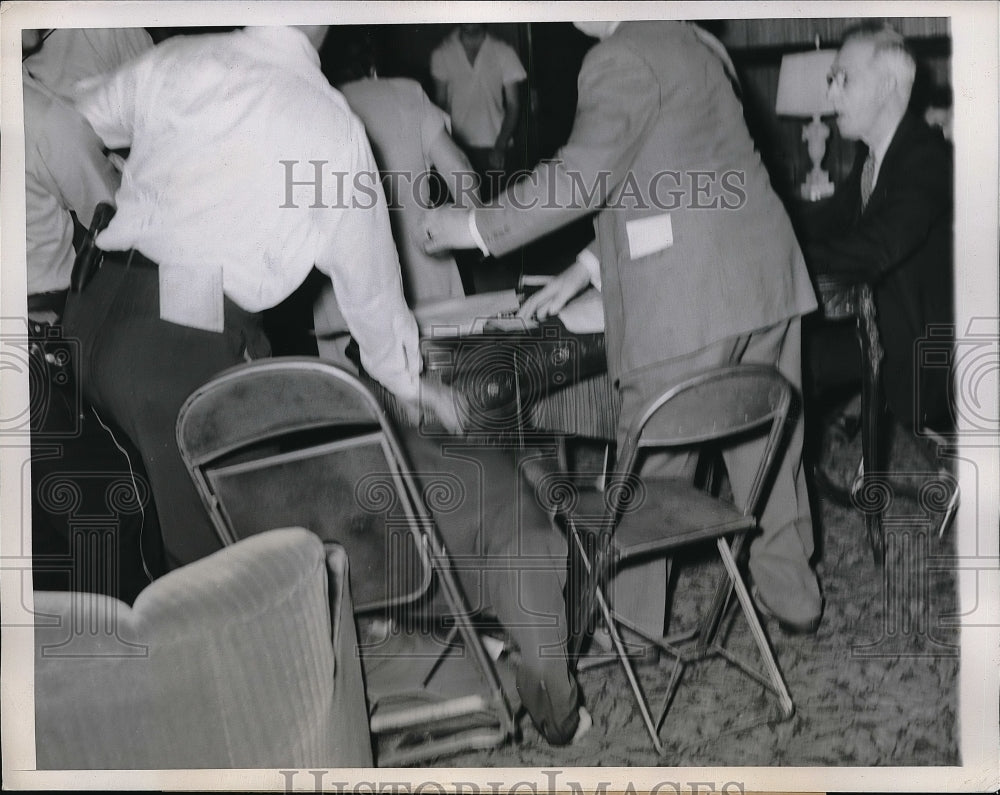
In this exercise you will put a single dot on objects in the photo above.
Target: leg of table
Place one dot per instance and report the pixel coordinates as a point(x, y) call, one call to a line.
point(871, 416)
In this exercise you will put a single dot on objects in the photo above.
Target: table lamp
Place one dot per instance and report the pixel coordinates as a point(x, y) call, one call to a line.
point(802, 92)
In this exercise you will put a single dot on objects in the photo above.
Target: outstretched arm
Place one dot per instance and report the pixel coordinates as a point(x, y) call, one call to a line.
point(456, 170)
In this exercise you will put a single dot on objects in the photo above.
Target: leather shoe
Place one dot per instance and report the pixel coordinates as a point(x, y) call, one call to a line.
point(789, 627)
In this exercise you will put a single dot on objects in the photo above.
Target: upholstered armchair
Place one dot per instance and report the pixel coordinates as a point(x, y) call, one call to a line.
point(244, 659)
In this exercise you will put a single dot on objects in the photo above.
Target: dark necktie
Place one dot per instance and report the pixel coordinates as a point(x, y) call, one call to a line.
point(867, 180)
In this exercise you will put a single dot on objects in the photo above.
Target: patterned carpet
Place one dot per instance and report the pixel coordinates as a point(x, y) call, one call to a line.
point(876, 686)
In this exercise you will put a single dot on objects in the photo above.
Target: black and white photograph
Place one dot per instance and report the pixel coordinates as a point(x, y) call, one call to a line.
point(489, 397)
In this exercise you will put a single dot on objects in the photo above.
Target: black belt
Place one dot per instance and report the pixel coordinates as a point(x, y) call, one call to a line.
point(54, 301)
point(130, 259)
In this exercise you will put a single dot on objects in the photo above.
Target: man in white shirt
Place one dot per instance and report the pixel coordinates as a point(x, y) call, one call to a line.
point(246, 169)
point(213, 228)
point(477, 81)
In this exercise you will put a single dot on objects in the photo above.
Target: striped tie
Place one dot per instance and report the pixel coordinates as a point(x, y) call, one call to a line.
point(867, 180)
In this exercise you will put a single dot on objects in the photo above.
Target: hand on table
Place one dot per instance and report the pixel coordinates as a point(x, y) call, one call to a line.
point(445, 229)
point(556, 294)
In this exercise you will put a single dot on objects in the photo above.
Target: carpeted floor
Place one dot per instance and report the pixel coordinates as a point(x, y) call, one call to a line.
point(876, 686)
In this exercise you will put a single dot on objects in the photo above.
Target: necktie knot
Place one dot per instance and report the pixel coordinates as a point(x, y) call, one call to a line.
point(867, 179)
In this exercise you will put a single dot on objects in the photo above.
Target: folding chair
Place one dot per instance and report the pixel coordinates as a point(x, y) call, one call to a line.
point(299, 441)
point(651, 518)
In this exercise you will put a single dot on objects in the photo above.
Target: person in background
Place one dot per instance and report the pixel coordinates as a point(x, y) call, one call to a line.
point(698, 265)
point(477, 80)
point(66, 174)
point(408, 136)
point(891, 221)
point(65, 56)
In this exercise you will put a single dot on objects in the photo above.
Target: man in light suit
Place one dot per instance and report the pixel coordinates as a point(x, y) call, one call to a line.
point(698, 262)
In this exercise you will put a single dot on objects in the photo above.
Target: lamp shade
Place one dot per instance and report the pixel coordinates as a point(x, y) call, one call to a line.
point(802, 84)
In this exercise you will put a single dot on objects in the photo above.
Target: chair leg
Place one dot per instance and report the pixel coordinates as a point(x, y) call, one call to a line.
point(594, 569)
point(720, 602)
point(774, 674)
point(629, 672)
point(675, 680)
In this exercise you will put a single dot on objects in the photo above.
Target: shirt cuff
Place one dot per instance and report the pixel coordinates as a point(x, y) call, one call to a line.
point(476, 237)
point(589, 260)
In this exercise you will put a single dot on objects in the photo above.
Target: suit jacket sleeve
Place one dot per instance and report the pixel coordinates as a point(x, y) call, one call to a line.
point(913, 193)
point(619, 100)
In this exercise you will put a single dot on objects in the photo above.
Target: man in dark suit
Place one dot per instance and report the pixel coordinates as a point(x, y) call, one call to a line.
point(698, 262)
point(891, 221)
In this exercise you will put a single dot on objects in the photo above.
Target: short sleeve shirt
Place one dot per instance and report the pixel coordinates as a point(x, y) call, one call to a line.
point(475, 91)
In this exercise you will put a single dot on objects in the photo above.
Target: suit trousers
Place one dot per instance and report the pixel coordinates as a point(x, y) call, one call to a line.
point(138, 370)
point(779, 555)
point(510, 560)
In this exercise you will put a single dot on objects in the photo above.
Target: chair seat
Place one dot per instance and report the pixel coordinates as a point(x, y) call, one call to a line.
point(669, 514)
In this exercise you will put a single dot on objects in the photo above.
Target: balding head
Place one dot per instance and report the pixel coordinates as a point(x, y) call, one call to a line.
point(871, 82)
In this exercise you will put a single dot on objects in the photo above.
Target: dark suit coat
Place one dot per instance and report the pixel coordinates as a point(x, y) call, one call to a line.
point(903, 241)
point(657, 116)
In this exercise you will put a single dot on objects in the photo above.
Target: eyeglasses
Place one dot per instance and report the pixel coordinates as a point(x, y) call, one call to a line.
point(838, 78)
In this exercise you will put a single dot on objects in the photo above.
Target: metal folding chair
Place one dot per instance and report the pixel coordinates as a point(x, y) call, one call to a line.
point(636, 518)
point(299, 441)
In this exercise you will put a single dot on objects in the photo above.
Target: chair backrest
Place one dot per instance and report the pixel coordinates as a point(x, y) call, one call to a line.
point(247, 658)
point(714, 405)
point(300, 441)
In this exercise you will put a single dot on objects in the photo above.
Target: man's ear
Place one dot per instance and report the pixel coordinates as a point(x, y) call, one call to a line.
point(887, 85)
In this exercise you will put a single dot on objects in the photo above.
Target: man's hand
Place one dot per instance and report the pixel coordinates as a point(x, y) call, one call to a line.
point(497, 157)
point(445, 229)
point(554, 296)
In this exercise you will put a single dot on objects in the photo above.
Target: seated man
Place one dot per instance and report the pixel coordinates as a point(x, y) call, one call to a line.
point(891, 221)
point(213, 227)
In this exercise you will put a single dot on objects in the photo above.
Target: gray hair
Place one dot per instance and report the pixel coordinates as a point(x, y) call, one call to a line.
point(889, 51)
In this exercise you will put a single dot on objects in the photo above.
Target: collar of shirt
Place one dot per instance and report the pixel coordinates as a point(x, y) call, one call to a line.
point(878, 152)
point(287, 44)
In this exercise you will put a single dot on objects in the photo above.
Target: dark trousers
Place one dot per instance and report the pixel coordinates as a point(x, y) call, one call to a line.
point(510, 561)
point(138, 370)
point(94, 527)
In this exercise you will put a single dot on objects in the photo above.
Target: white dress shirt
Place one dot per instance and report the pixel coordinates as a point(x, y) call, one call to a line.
point(64, 169)
point(878, 153)
point(209, 120)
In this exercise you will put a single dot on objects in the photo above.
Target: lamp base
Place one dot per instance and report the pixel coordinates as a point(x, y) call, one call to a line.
point(817, 186)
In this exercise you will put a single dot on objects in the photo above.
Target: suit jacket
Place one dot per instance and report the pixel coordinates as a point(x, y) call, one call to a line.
point(694, 244)
point(903, 241)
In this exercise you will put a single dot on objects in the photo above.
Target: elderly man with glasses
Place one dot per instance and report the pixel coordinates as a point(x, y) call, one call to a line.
point(891, 221)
